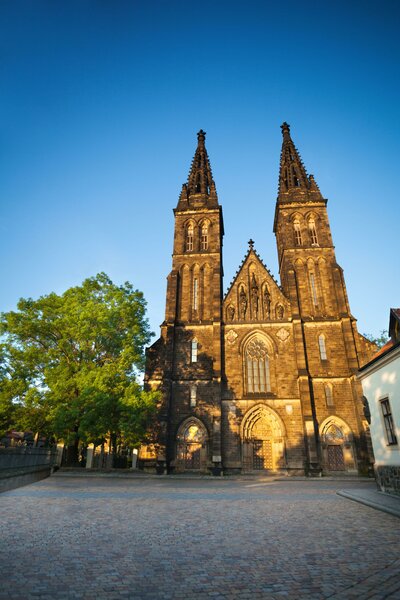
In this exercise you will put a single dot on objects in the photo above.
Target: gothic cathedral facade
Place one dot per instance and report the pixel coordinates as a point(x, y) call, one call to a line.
point(263, 378)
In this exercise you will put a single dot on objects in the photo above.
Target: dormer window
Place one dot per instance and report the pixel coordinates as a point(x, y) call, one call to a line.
point(204, 237)
point(189, 238)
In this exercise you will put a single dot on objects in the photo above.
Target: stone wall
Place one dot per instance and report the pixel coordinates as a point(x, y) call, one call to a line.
point(388, 479)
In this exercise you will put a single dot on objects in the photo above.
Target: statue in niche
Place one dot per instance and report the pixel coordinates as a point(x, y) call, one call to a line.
point(254, 296)
point(242, 303)
point(267, 303)
point(279, 312)
point(231, 312)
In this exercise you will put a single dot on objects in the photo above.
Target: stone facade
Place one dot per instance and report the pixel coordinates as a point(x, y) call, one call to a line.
point(263, 378)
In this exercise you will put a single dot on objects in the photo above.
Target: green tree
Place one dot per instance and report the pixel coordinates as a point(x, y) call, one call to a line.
point(379, 340)
point(70, 365)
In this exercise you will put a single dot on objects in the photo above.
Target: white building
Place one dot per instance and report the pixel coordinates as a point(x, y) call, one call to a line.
point(380, 379)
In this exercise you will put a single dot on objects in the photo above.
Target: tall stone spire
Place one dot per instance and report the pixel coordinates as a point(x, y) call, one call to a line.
point(294, 183)
point(200, 187)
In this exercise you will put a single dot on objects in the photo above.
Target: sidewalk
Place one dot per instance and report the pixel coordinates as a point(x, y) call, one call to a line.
point(388, 503)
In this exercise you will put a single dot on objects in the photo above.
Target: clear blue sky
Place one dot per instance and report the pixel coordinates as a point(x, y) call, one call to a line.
point(100, 104)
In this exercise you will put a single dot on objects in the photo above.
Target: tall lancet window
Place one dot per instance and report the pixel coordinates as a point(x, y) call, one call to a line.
point(313, 289)
point(313, 232)
point(204, 237)
point(297, 232)
point(322, 347)
point(195, 294)
point(189, 237)
point(193, 351)
point(256, 367)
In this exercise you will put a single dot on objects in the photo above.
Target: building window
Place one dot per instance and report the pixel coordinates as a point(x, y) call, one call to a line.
point(313, 232)
point(193, 351)
point(297, 233)
point(328, 394)
point(195, 293)
point(313, 289)
point(322, 347)
point(256, 366)
point(189, 238)
point(388, 422)
point(204, 237)
point(193, 395)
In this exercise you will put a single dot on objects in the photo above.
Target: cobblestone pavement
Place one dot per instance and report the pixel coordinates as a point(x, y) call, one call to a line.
point(151, 539)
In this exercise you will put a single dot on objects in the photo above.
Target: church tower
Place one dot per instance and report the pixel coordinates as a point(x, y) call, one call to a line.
point(186, 363)
point(329, 349)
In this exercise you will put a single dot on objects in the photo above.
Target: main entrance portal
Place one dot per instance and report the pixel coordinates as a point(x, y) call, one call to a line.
point(262, 440)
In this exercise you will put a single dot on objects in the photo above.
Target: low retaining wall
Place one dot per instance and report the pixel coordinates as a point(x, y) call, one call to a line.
point(9, 480)
point(388, 479)
point(23, 465)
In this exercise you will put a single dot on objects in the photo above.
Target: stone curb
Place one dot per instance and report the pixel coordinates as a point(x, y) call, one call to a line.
point(374, 499)
point(69, 472)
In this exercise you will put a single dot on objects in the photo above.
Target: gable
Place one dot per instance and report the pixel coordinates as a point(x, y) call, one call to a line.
point(254, 295)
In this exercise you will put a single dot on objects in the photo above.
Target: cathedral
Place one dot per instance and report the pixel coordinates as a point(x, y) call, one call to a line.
point(261, 379)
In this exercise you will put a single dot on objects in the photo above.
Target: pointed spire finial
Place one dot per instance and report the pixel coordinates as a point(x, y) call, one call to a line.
point(201, 136)
point(251, 244)
point(285, 129)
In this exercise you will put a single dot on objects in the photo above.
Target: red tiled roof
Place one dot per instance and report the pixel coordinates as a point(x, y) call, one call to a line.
point(382, 350)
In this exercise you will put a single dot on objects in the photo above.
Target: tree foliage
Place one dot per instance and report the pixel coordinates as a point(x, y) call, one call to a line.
point(70, 364)
point(379, 340)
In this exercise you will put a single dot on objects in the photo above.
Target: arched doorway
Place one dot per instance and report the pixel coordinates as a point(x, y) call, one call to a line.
point(263, 446)
point(192, 443)
point(337, 445)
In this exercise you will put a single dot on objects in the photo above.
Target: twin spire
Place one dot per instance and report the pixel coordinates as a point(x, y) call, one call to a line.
point(294, 183)
point(199, 191)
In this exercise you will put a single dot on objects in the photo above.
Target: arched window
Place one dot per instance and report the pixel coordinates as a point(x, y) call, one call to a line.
point(256, 367)
point(193, 351)
point(313, 232)
point(328, 394)
point(297, 232)
point(322, 347)
point(204, 237)
point(189, 237)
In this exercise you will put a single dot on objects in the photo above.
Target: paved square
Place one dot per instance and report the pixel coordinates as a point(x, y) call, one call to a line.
point(94, 538)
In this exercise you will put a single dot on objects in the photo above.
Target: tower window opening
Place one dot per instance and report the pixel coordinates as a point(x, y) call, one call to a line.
point(193, 351)
point(296, 181)
point(189, 238)
point(195, 293)
point(313, 289)
point(322, 347)
point(328, 394)
point(313, 232)
point(193, 395)
point(204, 237)
point(297, 233)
